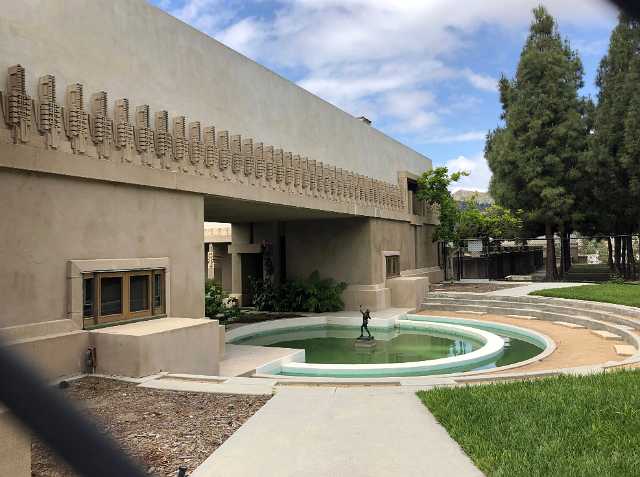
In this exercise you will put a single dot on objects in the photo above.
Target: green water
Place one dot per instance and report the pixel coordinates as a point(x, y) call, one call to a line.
point(331, 345)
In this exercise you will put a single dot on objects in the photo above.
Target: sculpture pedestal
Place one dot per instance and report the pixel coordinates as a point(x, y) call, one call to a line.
point(365, 343)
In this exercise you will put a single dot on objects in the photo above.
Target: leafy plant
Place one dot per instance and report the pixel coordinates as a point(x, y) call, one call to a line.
point(314, 294)
point(217, 302)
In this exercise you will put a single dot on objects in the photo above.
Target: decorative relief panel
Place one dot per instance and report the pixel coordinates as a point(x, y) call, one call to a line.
point(76, 119)
point(237, 166)
point(195, 146)
point(258, 159)
point(124, 139)
point(17, 106)
point(278, 161)
point(297, 174)
point(180, 143)
point(210, 151)
point(248, 159)
point(100, 126)
point(163, 139)
point(224, 161)
point(144, 140)
point(180, 148)
point(48, 112)
point(269, 166)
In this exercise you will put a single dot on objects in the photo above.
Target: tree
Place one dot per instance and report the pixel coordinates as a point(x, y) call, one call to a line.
point(494, 222)
point(433, 188)
point(612, 162)
point(533, 156)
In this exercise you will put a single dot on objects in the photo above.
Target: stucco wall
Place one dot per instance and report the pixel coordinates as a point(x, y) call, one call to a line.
point(350, 250)
point(48, 220)
point(337, 248)
point(132, 49)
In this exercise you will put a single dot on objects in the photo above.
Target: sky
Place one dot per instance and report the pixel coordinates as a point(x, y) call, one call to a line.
point(424, 71)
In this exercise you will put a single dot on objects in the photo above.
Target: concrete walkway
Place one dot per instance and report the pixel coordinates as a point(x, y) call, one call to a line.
point(339, 431)
point(530, 287)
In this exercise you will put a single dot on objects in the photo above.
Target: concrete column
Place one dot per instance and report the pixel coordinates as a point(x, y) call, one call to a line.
point(236, 276)
point(240, 234)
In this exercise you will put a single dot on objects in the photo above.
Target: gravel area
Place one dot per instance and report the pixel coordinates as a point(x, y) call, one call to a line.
point(160, 429)
point(471, 287)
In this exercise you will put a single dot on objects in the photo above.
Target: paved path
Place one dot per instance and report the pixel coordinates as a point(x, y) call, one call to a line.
point(526, 289)
point(335, 432)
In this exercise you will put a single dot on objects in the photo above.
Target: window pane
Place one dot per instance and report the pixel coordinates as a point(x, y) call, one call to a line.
point(110, 295)
point(138, 293)
point(87, 297)
point(157, 290)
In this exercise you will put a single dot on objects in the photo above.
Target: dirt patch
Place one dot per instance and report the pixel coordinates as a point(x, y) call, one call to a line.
point(160, 429)
point(471, 287)
point(257, 317)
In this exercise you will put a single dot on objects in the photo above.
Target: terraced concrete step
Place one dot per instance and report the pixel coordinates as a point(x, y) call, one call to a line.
point(523, 317)
point(625, 350)
point(620, 310)
point(607, 335)
point(566, 324)
point(540, 305)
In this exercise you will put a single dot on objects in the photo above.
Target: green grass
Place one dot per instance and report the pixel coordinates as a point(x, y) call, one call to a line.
point(620, 293)
point(565, 426)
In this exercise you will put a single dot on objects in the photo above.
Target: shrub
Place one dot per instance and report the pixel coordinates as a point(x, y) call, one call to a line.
point(315, 295)
point(217, 302)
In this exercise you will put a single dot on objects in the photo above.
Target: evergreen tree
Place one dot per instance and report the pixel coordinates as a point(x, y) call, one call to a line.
point(534, 156)
point(612, 162)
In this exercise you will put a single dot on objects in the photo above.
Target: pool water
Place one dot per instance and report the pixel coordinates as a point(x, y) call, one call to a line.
point(335, 345)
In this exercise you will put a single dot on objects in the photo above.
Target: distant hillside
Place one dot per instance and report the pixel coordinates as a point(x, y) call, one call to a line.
point(483, 198)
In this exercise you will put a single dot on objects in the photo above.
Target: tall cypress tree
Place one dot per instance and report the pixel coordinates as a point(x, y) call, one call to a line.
point(614, 156)
point(533, 157)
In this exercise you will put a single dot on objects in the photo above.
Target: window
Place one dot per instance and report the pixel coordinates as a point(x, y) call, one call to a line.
point(117, 296)
point(158, 292)
point(88, 298)
point(110, 295)
point(393, 265)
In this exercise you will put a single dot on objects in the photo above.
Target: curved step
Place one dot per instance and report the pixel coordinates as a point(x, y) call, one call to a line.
point(562, 307)
point(621, 310)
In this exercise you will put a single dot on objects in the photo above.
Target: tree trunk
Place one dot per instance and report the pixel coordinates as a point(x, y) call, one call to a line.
point(550, 269)
point(566, 252)
point(617, 254)
point(631, 258)
point(610, 260)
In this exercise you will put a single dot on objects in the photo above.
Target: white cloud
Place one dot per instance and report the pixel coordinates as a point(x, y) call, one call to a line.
point(461, 137)
point(244, 36)
point(480, 174)
point(382, 59)
point(481, 82)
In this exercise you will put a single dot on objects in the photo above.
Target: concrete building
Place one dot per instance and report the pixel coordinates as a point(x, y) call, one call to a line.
point(123, 131)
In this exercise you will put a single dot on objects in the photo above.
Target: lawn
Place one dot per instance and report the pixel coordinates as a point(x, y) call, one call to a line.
point(564, 426)
point(620, 293)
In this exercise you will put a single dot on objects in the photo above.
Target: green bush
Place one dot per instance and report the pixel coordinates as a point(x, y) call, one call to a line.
point(216, 301)
point(315, 295)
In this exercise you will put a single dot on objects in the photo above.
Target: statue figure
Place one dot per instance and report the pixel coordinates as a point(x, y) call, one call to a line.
point(366, 316)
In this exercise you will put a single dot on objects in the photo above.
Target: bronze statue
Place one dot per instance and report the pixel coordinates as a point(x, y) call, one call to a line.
point(366, 316)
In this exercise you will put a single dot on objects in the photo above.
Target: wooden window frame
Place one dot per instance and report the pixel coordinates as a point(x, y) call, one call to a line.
point(160, 310)
point(392, 266)
point(126, 315)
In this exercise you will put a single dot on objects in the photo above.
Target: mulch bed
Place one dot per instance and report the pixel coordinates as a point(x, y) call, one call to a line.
point(160, 429)
point(257, 317)
point(470, 287)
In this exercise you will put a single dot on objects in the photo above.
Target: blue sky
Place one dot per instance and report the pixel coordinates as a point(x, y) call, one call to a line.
point(424, 71)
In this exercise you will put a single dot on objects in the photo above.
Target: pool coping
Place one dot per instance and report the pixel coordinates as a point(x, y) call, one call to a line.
point(296, 362)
